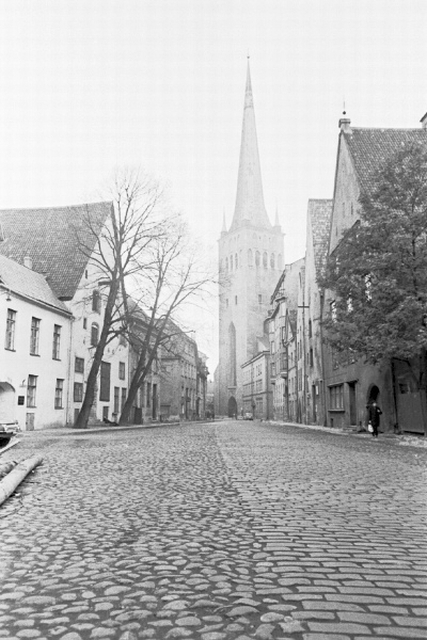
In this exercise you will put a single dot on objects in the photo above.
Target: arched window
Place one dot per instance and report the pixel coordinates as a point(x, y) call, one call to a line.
point(94, 334)
point(96, 301)
point(250, 258)
point(231, 263)
point(265, 260)
point(273, 261)
point(257, 258)
point(236, 261)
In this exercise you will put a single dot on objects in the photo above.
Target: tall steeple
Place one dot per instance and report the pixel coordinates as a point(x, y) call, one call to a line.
point(250, 207)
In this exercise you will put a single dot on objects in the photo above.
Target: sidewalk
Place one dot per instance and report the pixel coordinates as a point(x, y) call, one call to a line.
point(393, 438)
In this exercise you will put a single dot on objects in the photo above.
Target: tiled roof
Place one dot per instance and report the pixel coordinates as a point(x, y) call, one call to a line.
point(370, 147)
point(320, 216)
point(52, 239)
point(27, 283)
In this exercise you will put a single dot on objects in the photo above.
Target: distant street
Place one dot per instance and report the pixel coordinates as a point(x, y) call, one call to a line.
point(215, 531)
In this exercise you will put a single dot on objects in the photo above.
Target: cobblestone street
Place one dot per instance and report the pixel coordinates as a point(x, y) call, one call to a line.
point(215, 531)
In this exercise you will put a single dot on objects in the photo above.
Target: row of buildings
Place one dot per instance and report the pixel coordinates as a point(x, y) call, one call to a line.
point(52, 303)
point(274, 360)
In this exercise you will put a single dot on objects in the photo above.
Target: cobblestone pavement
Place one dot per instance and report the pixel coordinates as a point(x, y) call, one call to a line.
point(231, 530)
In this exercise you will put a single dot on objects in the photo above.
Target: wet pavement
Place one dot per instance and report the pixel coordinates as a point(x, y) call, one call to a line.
point(228, 530)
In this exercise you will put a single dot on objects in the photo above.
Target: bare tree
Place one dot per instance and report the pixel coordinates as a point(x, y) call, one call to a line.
point(176, 276)
point(144, 250)
point(133, 223)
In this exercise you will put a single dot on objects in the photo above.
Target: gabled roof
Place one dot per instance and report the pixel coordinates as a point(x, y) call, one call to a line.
point(319, 218)
point(370, 147)
point(52, 238)
point(28, 284)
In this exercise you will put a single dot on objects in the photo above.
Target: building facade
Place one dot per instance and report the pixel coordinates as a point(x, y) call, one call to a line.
point(250, 263)
point(35, 329)
point(257, 391)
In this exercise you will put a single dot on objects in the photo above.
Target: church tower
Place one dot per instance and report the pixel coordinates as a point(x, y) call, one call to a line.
point(250, 264)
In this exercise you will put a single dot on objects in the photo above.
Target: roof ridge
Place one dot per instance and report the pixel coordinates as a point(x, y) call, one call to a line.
point(64, 206)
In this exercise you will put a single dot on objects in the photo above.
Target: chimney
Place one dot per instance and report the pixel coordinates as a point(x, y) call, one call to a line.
point(344, 123)
point(28, 262)
point(424, 121)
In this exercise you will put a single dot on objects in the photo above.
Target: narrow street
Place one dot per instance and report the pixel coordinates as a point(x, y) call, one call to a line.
point(229, 530)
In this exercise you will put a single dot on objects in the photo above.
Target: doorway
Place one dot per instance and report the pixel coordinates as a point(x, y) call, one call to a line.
point(352, 402)
point(7, 402)
point(232, 407)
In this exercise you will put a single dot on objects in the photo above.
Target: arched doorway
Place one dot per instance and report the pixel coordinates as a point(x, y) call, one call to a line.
point(232, 407)
point(7, 402)
point(373, 394)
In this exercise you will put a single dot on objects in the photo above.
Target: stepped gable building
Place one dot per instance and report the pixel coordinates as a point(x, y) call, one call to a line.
point(351, 384)
point(250, 263)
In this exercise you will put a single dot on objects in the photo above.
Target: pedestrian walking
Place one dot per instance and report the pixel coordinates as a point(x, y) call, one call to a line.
point(374, 413)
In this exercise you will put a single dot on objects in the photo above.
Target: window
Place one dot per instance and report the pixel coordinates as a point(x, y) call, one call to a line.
point(231, 262)
point(273, 261)
point(310, 329)
point(96, 301)
point(260, 298)
point(10, 330)
point(31, 391)
point(78, 392)
point(226, 302)
point(250, 258)
point(336, 397)
point(124, 394)
point(122, 371)
point(35, 335)
point(94, 335)
point(148, 394)
point(79, 365)
point(116, 399)
point(311, 358)
point(84, 323)
point(265, 260)
point(236, 261)
point(56, 341)
point(257, 258)
point(59, 392)
point(235, 299)
point(105, 376)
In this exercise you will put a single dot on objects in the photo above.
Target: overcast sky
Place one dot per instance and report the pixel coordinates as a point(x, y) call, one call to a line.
point(88, 85)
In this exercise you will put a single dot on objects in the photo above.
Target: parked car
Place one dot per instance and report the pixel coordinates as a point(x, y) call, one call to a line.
point(248, 416)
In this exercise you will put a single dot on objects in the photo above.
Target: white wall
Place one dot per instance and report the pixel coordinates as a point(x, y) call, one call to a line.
point(16, 365)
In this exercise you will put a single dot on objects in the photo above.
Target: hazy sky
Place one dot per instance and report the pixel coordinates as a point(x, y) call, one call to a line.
point(87, 85)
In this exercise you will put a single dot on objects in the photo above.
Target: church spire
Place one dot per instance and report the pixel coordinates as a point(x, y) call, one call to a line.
point(250, 205)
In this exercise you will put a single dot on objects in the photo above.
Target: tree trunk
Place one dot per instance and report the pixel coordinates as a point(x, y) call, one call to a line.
point(125, 417)
point(84, 413)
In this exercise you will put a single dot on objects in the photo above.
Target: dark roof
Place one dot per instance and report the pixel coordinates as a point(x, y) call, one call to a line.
point(53, 238)
point(370, 147)
point(320, 217)
point(29, 284)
